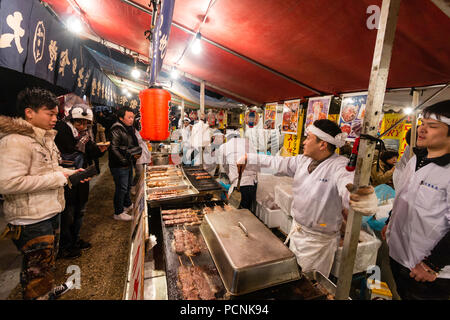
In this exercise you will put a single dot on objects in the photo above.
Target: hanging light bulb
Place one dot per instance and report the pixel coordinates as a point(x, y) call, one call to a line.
point(128, 94)
point(197, 46)
point(124, 91)
point(74, 25)
point(135, 73)
point(408, 110)
point(174, 74)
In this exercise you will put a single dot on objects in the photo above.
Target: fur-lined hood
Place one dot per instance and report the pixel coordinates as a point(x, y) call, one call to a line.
point(9, 125)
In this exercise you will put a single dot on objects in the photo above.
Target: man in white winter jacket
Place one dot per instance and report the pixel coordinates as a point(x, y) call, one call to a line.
point(32, 183)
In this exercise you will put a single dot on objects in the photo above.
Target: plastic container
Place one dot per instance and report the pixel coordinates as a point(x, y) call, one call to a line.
point(154, 114)
point(272, 218)
point(366, 254)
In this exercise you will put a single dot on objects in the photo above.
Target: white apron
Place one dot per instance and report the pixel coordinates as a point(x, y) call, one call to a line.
point(314, 250)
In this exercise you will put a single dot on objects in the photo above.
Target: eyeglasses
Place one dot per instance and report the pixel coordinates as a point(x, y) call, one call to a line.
point(81, 121)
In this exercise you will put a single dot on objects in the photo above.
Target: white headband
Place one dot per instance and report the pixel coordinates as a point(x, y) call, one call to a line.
point(338, 140)
point(442, 119)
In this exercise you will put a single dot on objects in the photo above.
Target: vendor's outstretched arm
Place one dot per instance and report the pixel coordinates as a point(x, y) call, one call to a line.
point(285, 166)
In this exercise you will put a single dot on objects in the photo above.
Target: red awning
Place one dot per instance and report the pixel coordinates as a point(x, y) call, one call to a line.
point(322, 44)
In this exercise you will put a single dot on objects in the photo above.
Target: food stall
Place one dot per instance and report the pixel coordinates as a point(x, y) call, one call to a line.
point(205, 242)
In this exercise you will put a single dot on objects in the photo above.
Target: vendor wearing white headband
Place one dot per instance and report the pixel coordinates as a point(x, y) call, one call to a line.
point(320, 194)
point(418, 231)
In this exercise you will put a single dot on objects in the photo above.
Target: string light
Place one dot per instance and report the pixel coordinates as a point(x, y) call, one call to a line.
point(174, 74)
point(197, 46)
point(408, 110)
point(74, 25)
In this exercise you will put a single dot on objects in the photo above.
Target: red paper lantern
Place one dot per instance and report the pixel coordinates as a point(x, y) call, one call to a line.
point(155, 114)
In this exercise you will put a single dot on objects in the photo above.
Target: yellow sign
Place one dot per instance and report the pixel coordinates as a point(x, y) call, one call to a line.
point(292, 141)
point(395, 138)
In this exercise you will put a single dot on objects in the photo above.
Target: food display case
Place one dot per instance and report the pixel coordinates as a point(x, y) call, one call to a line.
point(167, 183)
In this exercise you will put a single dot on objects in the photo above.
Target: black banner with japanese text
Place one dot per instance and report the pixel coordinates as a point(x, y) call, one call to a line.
point(34, 42)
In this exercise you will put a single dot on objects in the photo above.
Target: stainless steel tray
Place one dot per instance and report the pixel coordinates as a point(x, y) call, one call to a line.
point(323, 282)
point(248, 256)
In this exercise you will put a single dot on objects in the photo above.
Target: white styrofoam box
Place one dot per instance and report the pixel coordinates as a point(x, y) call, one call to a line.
point(285, 222)
point(283, 197)
point(267, 183)
point(272, 218)
point(258, 208)
point(366, 254)
point(383, 210)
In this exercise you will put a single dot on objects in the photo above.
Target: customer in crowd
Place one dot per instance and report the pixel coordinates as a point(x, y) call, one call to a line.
point(383, 170)
point(78, 150)
point(145, 157)
point(124, 150)
point(418, 230)
point(32, 182)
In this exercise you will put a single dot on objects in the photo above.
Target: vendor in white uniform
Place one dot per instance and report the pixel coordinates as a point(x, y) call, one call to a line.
point(418, 231)
point(227, 156)
point(200, 138)
point(185, 141)
point(320, 194)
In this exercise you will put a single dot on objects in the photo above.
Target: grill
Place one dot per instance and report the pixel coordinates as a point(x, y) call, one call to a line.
point(301, 289)
point(203, 259)
point(201, 185)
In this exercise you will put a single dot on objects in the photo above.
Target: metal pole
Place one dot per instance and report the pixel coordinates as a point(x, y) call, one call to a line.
point(375, 98)
point(182, 111)
point(412, 141)
point(202, 96)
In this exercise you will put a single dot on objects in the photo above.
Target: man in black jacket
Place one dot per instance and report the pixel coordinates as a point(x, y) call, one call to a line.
point(78, 150)
point(123, 152)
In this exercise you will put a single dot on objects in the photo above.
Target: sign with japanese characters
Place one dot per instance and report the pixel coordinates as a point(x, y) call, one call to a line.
point(161, 38)
point(270, 115)
point(32, 41)
point(290, 116)
point(292, 141)
point(14, 35)
point(317, 110)
point(353, 107)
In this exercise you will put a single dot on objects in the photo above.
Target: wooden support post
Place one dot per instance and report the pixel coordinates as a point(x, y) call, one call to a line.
point(182, 113)
point(375, 98)
point(202, 96)
point(412, 141)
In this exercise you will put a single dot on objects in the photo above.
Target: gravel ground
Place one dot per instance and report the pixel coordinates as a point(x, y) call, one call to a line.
point(103, 267)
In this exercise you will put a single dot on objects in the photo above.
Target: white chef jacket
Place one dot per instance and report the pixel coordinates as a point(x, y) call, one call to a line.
point(200, 135)
point(421, 214)
point(229, 153)
point(320, 196)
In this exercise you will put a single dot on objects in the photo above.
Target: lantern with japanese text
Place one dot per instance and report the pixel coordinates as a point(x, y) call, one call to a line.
point(155, 114)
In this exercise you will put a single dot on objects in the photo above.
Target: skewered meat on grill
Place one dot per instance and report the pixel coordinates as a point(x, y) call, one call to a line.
point(200, 174)
point(177, 211)
point(202, 177)
point(179, 216)
point(186, 242)
point(158, 184)
point(181, 221)
point(195, 284)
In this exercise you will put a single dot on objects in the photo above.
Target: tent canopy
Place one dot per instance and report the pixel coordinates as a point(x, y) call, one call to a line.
point(285, 49)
